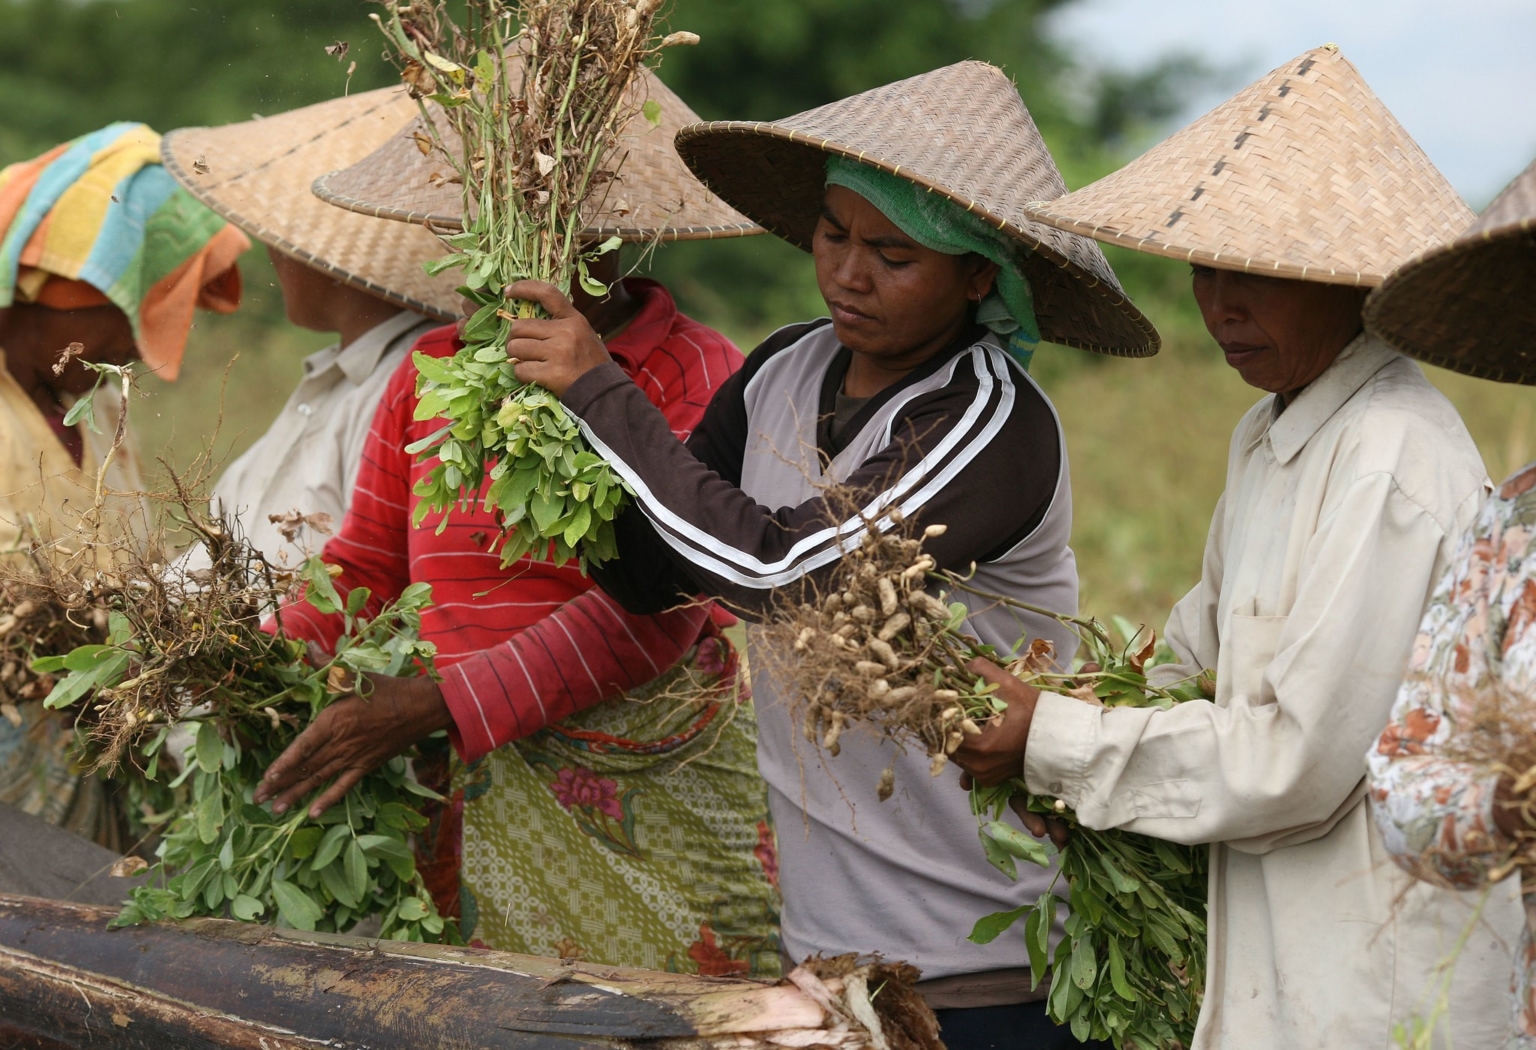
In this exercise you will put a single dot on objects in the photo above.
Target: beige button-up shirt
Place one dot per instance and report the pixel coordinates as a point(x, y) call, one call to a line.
point(1339, 515)
point(308, 458)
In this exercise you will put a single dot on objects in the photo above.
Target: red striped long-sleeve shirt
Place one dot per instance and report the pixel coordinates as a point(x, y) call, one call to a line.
point(531, 644)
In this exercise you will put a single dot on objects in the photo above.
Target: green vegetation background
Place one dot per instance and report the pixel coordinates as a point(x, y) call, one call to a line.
point(1147, 439)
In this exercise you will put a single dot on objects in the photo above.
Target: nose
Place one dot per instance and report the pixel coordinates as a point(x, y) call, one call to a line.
point(1220, 297)
point(850, 270)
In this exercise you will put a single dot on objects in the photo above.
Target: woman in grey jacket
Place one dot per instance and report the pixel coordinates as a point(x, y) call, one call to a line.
point(912, 395)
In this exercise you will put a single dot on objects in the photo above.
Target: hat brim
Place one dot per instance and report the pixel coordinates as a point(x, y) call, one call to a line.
point(256, 175)
point(776, 176)
point(654, 197)
point(1467, 307)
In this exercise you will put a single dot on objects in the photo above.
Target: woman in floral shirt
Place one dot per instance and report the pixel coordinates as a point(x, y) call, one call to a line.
point(1442, 816)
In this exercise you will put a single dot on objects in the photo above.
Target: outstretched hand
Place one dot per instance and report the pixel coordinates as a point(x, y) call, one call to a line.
point(351, 738)
point(552, 351)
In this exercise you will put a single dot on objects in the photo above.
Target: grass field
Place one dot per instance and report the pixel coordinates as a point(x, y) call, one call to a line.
point(1147, 438)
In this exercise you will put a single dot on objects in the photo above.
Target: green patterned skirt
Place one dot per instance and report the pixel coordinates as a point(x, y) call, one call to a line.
point(635, 833)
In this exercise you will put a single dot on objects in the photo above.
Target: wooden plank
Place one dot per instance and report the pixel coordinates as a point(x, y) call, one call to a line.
point(348, 992)
point(47, 1006)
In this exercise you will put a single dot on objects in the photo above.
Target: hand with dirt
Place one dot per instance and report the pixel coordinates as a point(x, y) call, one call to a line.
point(351, 738)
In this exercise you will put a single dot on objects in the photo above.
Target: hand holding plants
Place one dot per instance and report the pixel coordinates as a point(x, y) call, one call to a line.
point(552, 351)
point(997, 754)
point(353, 737)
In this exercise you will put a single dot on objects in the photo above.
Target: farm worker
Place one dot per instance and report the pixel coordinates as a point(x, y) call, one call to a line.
point(913, 395)
point(1347, 487)
point(584, 821)
point(98, 247)
point(1444, 815)
point(355, 275)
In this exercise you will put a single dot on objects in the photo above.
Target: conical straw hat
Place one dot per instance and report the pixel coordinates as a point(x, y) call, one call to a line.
point(1304, 175)
point(1471, 305)
point(961, 131)
point(257, 175)
point(654, 198)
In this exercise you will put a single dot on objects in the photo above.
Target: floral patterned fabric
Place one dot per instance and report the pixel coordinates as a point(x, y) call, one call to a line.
point(1478, 638)
point(635, 833)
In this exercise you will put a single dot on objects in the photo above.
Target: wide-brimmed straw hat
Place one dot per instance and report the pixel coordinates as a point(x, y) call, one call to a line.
point(1304, 174)
point(654, 197)
point(257, 175)
point(961, 131)
point(1470, 305)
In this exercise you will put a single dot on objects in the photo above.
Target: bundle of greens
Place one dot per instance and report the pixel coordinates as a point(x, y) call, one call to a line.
point(183, 652)
point(876, 649)
point(525, 100)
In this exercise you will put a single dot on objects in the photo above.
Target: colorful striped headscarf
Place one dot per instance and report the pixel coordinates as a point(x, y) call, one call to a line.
point(98, 220)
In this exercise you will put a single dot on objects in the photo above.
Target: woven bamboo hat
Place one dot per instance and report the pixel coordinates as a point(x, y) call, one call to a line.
point(1304, 174)
point(1470, 305)
point(257, 174)
point(654, 197)
point(961, 131)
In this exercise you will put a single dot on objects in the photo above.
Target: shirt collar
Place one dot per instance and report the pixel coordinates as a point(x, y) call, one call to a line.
point(358, 361)
point(1315, 405)
point(648, 329)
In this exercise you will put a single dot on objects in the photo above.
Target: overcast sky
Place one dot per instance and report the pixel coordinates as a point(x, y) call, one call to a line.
point(1459, 74)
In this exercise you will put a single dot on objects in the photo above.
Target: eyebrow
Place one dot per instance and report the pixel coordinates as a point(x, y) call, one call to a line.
point(895, 240)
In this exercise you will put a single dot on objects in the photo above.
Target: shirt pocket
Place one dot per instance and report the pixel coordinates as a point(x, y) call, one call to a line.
point(1246, 654)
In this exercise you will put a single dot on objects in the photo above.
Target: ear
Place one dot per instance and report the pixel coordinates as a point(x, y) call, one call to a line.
point(983, 275)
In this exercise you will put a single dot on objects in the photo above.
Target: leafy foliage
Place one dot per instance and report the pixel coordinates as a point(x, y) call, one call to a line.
point(528, 184)
point(245, 695)
point(1131, 968)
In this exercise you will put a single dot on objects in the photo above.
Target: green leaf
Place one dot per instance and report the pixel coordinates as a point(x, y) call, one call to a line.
point(1117, 972)
point(998, 857)
point(303, 842)
point(1084, 965)
point(652, 112)
point(209, 748)
point(321, 592)
point(69, 689)
point(356, 869)
point(1017, 843)
point(83, 408)
point(412, 910)
point(989, 927)
point(1037, 936)
point(385, 846)
point(330, 846)
point(245, 907)
point(295, 906)
point(334, 878)
point(48, 664)
point(209, 815)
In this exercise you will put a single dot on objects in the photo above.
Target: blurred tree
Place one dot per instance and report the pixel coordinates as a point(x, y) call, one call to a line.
point(67, 66)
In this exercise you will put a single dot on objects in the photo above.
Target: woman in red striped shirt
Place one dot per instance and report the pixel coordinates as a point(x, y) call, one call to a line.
point(605, 803)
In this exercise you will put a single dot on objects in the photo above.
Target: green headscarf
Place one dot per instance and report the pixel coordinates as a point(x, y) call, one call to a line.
point(936, 222)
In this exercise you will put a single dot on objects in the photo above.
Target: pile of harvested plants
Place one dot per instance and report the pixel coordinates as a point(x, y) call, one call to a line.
point(525, 100)
point(144, 652)
point(875, 649)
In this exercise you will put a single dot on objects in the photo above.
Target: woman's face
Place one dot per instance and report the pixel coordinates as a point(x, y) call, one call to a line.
point(1279, 334)
point(890, 297)
point(36, 337)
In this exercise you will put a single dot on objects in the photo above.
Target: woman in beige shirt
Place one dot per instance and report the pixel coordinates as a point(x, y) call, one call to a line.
point(357, 275)
point(1346, 490)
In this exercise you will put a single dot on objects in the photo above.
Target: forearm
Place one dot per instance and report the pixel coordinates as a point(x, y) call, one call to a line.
point(1302, 697)
point(587, 651)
